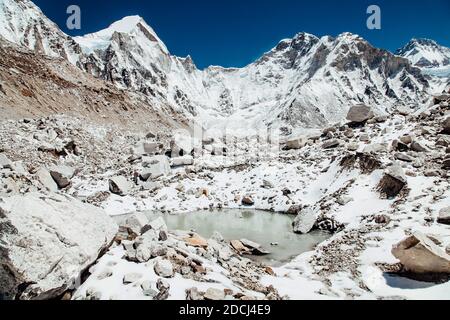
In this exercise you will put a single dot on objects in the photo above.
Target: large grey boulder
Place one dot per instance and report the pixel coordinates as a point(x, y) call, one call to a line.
point(62, 175)
point(296, 143)
point(146, 148)
point(393, 181)
point(155, 167)
point(46, 180)
point(46, 243)
point(419, 254)
point(305, 221)
point(182, 161)
point(164, 268)
point(120, 185)
point(360, 113)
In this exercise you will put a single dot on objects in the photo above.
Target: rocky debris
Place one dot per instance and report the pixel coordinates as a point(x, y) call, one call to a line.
point(196, 241)
point(62, 175)
point(164, 289)
point(444, 216)
point(305, 221)
point(136, 223)
point(330, 144)
point(360, 114)
point(194, 295)
point(47, 241)
point(214, 294)
point(155, 167)
point(5, 163)
point(254, 248)
point(393, 181)
point(248, 200)
point(120, 185)
point(46, 180)
point(419, 254)
point(403, 157)
point(164, 268)
point(239, 247)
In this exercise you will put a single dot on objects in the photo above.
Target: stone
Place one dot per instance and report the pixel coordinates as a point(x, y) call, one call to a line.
point(381, 119)
point(120, 185)
point(193, 294)
point(305, 221)
point(382, 219)
point(375, 148)
point(136, 222)
point(214, 294)
point(5, 163)
point(146, 148)
point(393, 181)
point(158, 225)
point(164, 268)
point(132, 278)
point(295, 144)
point(147, 289)
point(446, 126)
point(47, 241)
point(444, 216)
point(403, 157)
point(46, 180)
point(419, 254)
point(164, 289)
point(62, 175)
point(406, 139)
point(196, 241)
point(446, 163)
point(417, 147)
point(353, 146)
point(182, 161)
point(248, 201)
point(344, 200)
point(333, 143)
point(239, 247)
point(155, 167)
point(364, 138)
point(360, 113)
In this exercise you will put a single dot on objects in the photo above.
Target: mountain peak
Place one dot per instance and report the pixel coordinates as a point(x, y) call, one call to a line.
point(126, 24)
point(426, 53)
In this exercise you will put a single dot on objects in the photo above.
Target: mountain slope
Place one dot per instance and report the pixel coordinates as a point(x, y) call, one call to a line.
point(305, 81)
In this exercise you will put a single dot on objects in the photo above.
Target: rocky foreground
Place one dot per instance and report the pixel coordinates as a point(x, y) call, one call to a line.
point(379, 184)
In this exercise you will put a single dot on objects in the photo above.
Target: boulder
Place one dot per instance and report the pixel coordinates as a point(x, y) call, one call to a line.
point(132, 278)
point(136, 222)
point(5, 163)
point(47, 242)
point(333, 143)
point(375, 148)
point(393, 181)
point(164, 268)
point(305, 221)
point(120, 185)
point(446, 126)
point(248, 201)
point(46, 180)
point(419, 254)
point(295, 144)
point(62, 175)
point(360, 114)
point(417, 147)
point(155, 167)
point(403, 157)
point(146, 148)
point(444, 216)
point(182, 161)
point(214, 294)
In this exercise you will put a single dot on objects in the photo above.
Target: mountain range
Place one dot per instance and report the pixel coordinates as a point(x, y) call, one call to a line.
point(302, 82)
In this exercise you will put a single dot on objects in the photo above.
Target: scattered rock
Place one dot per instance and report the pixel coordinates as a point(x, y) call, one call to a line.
point(393, 181)
point(45, 178)
point(155, 167)
point(62, 175)
point(360, 114)
point(403, 157)
point(120, 185)
point(248, 201)
point(5, 163)
point(214, 294)
point(164, 268)
point(196, 241)
point(132, 278)
point(193, 294)
point(136, 222)
point(446, 126)
point(331, 144)
point(417, 147)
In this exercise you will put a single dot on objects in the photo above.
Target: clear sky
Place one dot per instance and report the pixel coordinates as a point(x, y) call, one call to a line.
point(233, 33)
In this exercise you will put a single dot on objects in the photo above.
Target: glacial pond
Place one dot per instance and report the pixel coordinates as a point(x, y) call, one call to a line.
point(272, 231)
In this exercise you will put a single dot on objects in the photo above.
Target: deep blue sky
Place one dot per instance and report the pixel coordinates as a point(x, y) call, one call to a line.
point(233, 33)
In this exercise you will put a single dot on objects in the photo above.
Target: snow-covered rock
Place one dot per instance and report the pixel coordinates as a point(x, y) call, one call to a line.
point(155, 167)
point(360, 113)
point(120, 185)
point(419, 254)
point(305, 221)
point(47, 241)
point(62, 175)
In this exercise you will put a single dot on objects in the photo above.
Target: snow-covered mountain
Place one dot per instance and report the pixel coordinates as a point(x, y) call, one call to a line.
point(433, 60)
point(305, 81)
point(23, 23)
